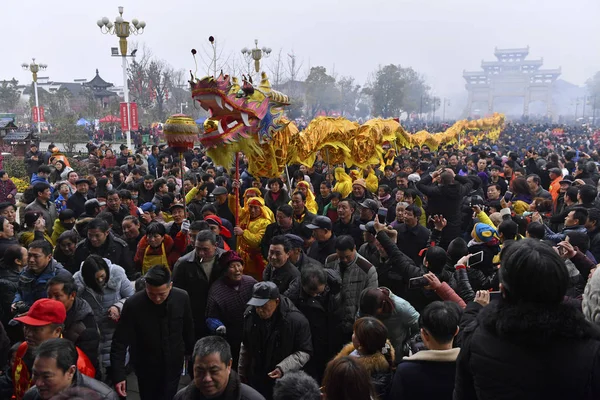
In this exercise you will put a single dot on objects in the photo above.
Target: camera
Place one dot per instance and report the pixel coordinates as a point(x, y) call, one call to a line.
point(476, 200)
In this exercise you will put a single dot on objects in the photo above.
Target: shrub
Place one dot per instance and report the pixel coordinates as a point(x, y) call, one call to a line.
point(16, 168)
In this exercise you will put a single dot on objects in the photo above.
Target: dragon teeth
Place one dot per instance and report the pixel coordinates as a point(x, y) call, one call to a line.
point(221, 130)
point(232, 124)
point(245, 119)
point(228, 106)
point(219, 101)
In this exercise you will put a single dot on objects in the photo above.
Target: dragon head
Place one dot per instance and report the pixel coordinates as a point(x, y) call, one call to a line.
point(238, 111)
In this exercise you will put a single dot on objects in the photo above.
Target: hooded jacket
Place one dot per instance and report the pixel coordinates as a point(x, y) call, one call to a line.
point(378, 367)
point(117, 290)
point(545, 353)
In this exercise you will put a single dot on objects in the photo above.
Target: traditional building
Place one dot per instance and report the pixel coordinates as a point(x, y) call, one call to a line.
point(100, 89)
point(511, 75)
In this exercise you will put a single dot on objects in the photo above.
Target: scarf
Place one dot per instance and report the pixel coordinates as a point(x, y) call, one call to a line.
point(384, 198)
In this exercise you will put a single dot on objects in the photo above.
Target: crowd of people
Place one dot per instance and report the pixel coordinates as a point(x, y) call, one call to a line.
point(456, 272)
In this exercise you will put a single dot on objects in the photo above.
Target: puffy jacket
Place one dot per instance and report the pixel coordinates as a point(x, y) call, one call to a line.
point(357, 276)
point(114, 249)
point(401, 324)
point(33, 287)
point(117, 289)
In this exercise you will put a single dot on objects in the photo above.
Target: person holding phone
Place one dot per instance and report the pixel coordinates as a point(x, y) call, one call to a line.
point(529, 332)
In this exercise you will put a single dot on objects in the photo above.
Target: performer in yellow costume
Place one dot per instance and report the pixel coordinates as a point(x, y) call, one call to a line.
point(310, 203)
point(343, 183)
point(249, 234)
point(248, 194)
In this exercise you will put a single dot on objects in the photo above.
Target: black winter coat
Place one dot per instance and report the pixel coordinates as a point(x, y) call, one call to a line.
point(275, 230)
point(321, 250)
point(284, 198)
point(352, 229)
point(189, 275)
point(81, 329)
point(158, 337)
point(282, 277)
point(528, 352)
point(324, 314)
point(9, 283)
point(115, 249)
point(77, 203)
point(267, 343)
point(33, 165)
point(446, 200)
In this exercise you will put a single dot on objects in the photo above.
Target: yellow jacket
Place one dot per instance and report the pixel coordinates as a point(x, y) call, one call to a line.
point(343, 182)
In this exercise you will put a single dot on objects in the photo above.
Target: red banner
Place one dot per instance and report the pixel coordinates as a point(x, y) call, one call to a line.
point(124, 120)
point(134, 116)
point(34, 113)
point(41, 113)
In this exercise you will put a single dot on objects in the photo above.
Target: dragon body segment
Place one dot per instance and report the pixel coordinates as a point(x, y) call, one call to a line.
point(251, 119)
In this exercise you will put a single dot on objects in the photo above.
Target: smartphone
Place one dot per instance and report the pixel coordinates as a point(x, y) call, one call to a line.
point(495, 296)
point(508, 195)
point(418, 282)
point(382, 214)
point(475, 259)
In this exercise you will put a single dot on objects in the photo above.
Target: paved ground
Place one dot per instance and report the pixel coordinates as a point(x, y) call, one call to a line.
point(132, 386)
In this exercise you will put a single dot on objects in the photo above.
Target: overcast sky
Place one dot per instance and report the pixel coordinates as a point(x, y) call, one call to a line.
point(439, 38)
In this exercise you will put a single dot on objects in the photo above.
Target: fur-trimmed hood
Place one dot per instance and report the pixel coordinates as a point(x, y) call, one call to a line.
point(375, 363)
point(529, 323)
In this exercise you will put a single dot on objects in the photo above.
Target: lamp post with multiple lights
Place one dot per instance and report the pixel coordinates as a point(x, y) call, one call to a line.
point(122, 29)
point(35, 68)
point(256, 54)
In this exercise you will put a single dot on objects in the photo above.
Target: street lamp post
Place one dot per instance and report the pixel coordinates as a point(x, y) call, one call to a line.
point(256, 54)
point(181, 106)
point(35, 68)
point(446, 102)
point(122, 29)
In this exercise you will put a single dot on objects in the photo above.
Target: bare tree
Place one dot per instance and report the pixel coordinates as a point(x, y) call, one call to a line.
point(277, 69)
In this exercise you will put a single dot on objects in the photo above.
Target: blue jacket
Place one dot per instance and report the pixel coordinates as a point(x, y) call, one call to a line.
point(152, 163)
point(33, 287)
point(36, 179)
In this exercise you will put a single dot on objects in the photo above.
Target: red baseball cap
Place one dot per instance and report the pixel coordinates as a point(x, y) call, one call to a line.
point(44, 312)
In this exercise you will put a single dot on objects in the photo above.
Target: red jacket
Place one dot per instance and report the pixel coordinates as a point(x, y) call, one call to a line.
point(21, 376)
point(173, 249)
